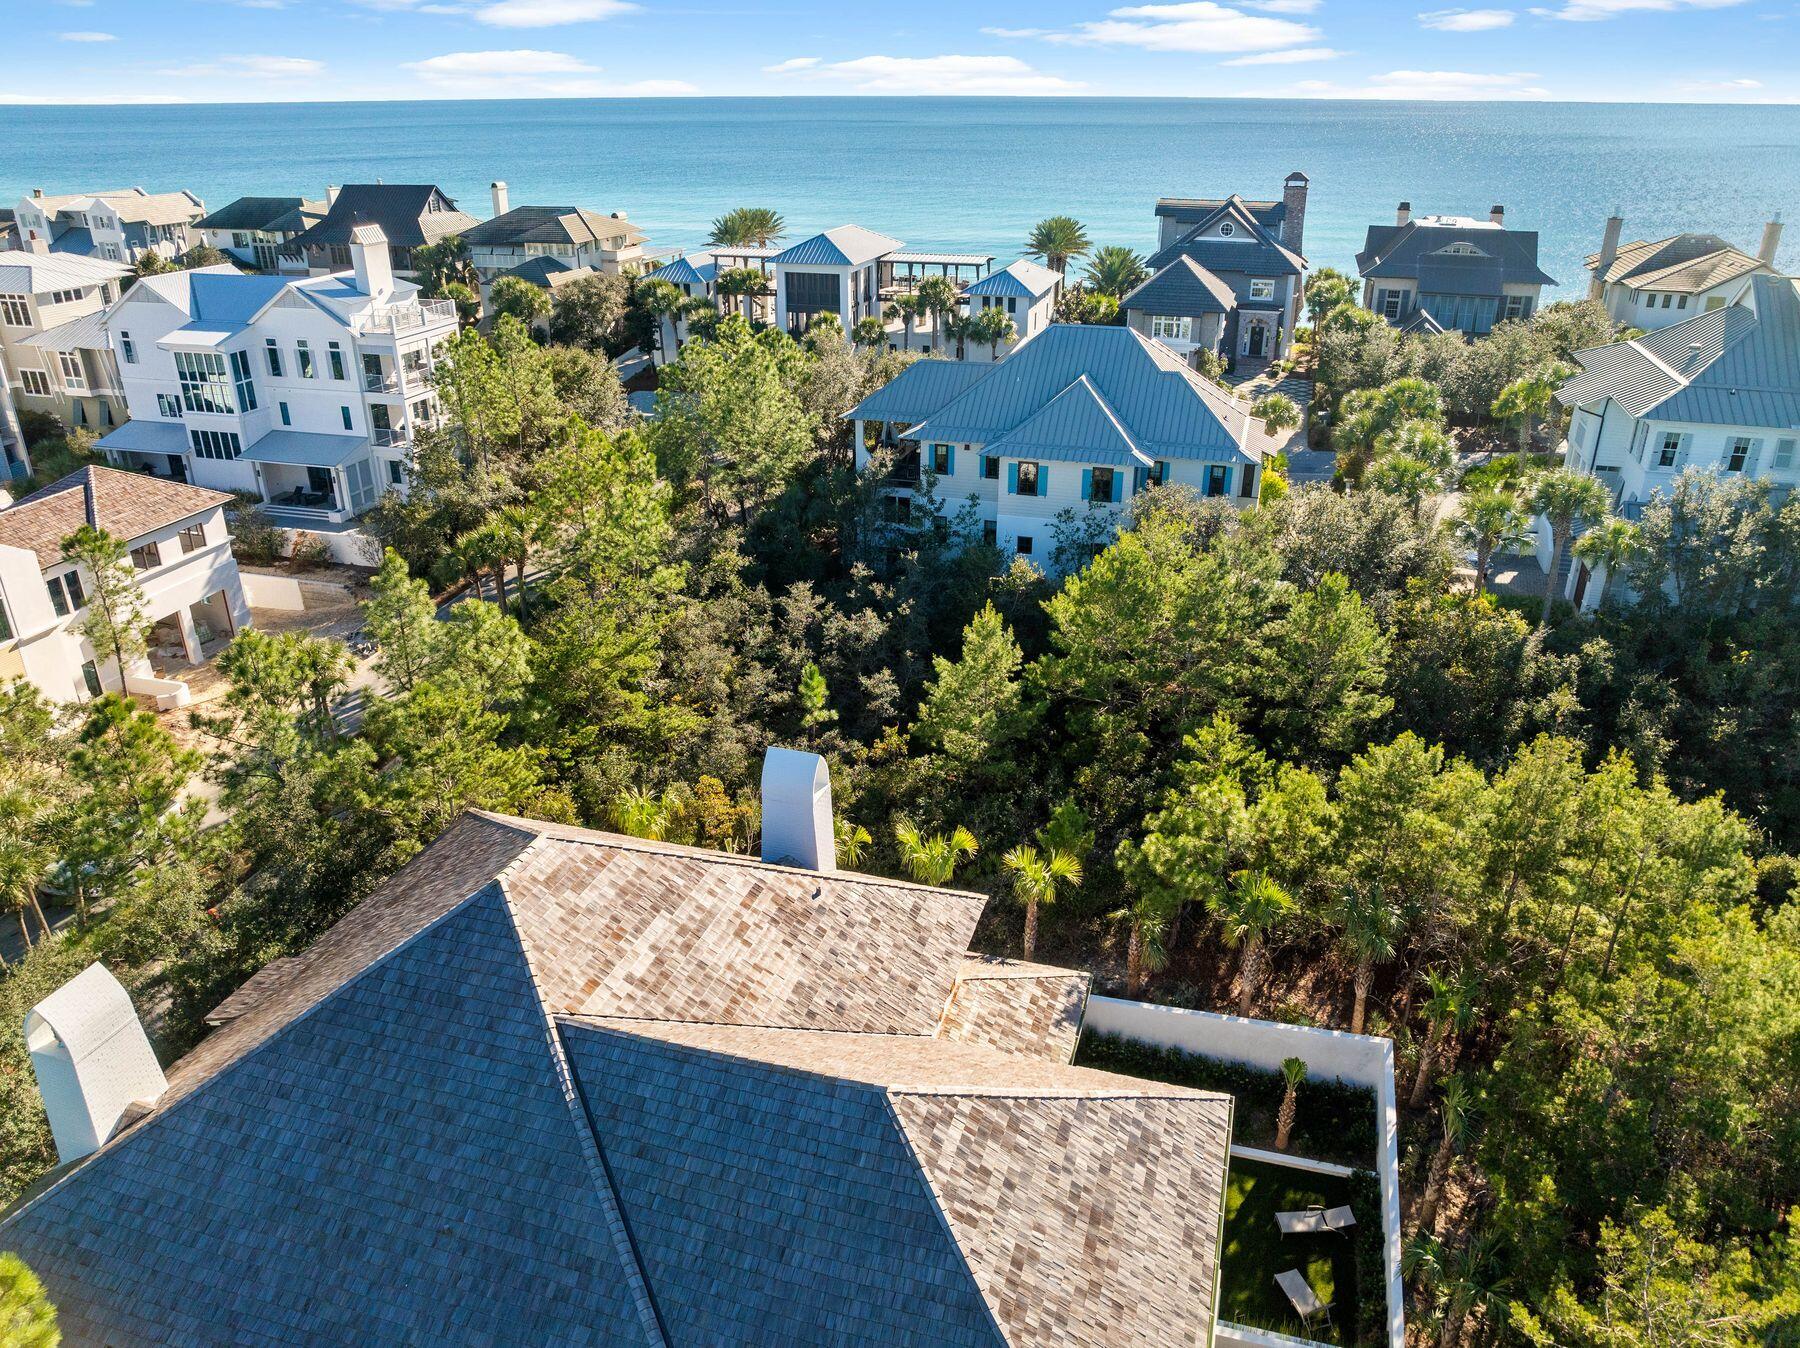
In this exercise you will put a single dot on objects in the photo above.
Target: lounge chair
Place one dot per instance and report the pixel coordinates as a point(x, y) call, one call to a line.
point(1314, 1220)
point(1300, 1293)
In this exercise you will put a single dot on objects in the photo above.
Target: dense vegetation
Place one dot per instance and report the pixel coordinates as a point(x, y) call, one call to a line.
point(1304, 767)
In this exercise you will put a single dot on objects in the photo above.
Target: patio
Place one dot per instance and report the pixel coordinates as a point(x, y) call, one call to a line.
point(1255, 1251)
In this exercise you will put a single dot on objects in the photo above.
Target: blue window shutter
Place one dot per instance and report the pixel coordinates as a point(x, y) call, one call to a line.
point(1087, 484)
point(1043, 479)
point(1012, 479)
point(1118, 485)
point(950, 471)
point(1140, 478)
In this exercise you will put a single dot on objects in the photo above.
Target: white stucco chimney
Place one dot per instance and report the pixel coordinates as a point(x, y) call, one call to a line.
point(92, 1060)
point(1609, 249)
point(1403, 213)
point(373, 263)
point(331, 194)
point(1771, 241)
point(796, 811)
point(502, 202)
point(1497, 214)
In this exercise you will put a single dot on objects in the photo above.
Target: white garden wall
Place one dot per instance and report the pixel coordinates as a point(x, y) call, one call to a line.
point(281, 593)
point(1364, 1060)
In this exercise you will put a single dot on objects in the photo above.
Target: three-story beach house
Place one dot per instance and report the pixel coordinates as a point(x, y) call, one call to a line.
point(550, 245)
point(1081, 419)
point(1655, 283)
point(303, 392)
point(52, 345)
point(118, 226)
point(1451, 273)
point(411, 215)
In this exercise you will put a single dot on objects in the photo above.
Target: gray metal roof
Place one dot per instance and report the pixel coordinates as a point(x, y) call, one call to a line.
point(917, 391)
point(306, 448)
point(845, 246)
point(1183, 289)
point(1168, 411)
point(1399, 251)
point(26, 273)
point(147, 437)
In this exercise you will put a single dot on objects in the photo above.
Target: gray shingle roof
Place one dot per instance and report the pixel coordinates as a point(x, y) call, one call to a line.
point(1183, 289)
point(250, 213)
point(1255, 250)
point(403, 210)
point(553, 224)
point(1399, 251)
point(1682, 262)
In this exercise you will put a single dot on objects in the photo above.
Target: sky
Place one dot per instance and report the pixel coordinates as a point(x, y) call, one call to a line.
point(1684, 51)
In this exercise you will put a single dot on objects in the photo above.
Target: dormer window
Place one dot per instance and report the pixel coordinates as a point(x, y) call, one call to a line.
point(1227, 229)
point(1462, 250)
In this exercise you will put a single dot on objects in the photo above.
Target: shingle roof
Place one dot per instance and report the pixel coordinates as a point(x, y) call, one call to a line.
point(157, 208)
point(1023, 279)
point(1509, 256)
point(1183, 289)
point(1682, 262)
point(1736, 366)
point(403, 210)
point(405, 1133)
point(554, 224)
point(1016, 1007)
point(1167, 410)
point(253, 213)
point(1191, 210)
point(126, 505)
point(1254, 250)
point(844, 246)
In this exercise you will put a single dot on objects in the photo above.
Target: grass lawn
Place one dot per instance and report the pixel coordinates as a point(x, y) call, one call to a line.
point(1255, 1251)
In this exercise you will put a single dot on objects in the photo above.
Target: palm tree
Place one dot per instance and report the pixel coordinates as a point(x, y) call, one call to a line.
point(933, 860)
point(1491, 522)
point(1115, 270)
point(1426, 441)
point(852, 843)
point(1453, 1119)
point(1609, 545)
point(1566, 498)
point(742, 284)
point(1369, 922)
point(1035, 876)
point(519, 531)
point(1449, 1010)
point(1145, 952)
point(1277, 412)
point(640, 813)
point(1058, 240)
point(1412, 480)
point(1251, 907)
point(961, 328)
point(903, 309)
point(485, 548)
point(747, 227)
point(1525, 401)
point(663, 299)
point(994, 327)
point(869, 331)
point(1293, 1071)
point(936, 297)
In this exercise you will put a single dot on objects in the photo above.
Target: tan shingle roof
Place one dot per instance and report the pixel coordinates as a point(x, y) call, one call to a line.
point(1016, 1007)
point(126, 505)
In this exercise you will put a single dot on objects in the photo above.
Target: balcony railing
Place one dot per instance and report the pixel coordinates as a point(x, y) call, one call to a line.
point(388, 435)
point(408, 317)
point(380, 383)
point(417, 377)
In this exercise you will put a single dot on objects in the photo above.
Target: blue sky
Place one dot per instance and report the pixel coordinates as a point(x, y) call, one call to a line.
point(278, 50)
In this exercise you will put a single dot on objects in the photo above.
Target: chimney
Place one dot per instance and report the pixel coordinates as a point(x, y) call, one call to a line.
point(796, 811)
point(92, 1060)
point(35, 242)
point(331, 194)
point(618, 215)
point(1497, 214)
point(1293, 222)
point(37, 194)
point(1771, 241)
point(1609, 249)
point(1403, 213)
point(373, 263)
point(501, 203)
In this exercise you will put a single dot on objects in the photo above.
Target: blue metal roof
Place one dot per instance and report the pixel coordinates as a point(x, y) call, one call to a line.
point(1022, 279)
point(221, 300)
point(73, 241)
point(845, 246)
point(697, 269)
point(1076, 425)
point(917, 391)
point(1167, 410)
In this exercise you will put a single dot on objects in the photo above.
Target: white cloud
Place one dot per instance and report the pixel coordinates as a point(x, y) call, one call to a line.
point(1430, 85)
point(520, 64)
point(1188, 26)
point(547, 13)
point(928, 75)
point(1282, 6)
point(1593, 11)
point(526, 73)
point(1290, 56)
point(1726, 87)
point(250, 67)
point(1467, 20)
point(88, 37)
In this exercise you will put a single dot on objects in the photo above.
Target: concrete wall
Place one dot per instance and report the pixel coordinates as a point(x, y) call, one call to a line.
point(280, 593)
point(1364, 1060)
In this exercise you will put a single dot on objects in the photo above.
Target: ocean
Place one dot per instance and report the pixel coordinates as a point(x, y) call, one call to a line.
point(969, 174)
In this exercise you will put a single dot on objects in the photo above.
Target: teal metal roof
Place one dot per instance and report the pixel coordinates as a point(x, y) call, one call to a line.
point(917, 391)
point(1023, 279)
point(845, 246)
point(1076, 425)
point(692, 270)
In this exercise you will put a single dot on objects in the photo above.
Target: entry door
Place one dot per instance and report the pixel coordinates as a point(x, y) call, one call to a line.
point(1258, 334)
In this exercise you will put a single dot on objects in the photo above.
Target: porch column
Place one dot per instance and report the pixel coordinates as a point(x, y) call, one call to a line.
point(190, 635)
point(340, 484)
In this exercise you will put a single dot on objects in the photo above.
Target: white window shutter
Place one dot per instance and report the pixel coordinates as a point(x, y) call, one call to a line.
point(1682, 454)
point(1754, 459)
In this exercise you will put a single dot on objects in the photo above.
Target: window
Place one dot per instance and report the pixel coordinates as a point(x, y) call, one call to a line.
point(1218, 478)
point(286, 420)
point(1227, 229)
point(146, 557)
point(396, 474)
point(64, 296)
point(1172, 329)
point(339, 257)
point(72, 579)
point(1714, 302)
point(168, 404)
point(1390, 303)
point(216, 444)
point(1262, 290)
point(335, 354)
point(1247, 483)
point(303, 359)
point(1784, 454)
point(1736, 452)
point(1026, 478)
point(246, 387)
point(1681, 301)
point(15, 311)
point(1666, 299)
point(205, 385)
point(90, 675)
point(1024, 545)
point(990, 467)
point(273, 353)
point(1669, 450)
point(127, 348)
point(72, 373)
point(35, 382)
point(346, 412)
point(6, 632)
point(193, 538)
point(990, 532)
point(1012, 304)
point(1102, 484)
point(943, 460)
point(59, 598)
point(1518, 307)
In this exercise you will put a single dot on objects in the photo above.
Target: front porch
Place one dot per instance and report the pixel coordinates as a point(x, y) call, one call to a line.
point(314, 479)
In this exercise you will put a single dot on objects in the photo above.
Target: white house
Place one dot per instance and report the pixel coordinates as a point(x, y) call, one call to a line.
point(52, 344)
point(118, 226)
point(1656, 283)
point(179, 544)
point(548, 245)
point(305, 392)
point(1721, 390)
point(1025, 292)
point(1081, 418)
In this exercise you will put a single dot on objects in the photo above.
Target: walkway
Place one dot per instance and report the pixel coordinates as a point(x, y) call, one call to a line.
point(1253, 381)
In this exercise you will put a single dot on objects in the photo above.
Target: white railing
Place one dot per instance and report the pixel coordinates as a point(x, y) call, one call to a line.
point(409, 316)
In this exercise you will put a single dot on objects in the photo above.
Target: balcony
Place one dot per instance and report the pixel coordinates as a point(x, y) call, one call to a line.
point(382, 382)
point(409, 317)
point(388, 436)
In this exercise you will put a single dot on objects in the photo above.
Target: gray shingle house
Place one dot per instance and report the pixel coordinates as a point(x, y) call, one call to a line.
point(1226, 276)
point(410, 215)
point(253, 230)
point(1467, 274)
point(550, 1086)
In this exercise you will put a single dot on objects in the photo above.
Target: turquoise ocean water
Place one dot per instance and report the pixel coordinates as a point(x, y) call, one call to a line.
point(968, 174)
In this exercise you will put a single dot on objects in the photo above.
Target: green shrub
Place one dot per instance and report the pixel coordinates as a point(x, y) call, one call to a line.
point(254, 536)
point(1369, 1236)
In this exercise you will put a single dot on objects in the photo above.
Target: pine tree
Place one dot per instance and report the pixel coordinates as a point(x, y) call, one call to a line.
point(114, 622)
point(402, 620)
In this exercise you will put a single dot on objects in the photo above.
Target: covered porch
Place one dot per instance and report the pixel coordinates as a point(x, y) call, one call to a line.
point(155, 447)
point(312, 477)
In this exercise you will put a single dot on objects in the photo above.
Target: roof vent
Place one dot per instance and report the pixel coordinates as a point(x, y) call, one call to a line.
point(796, 811)
point(93, 1061)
